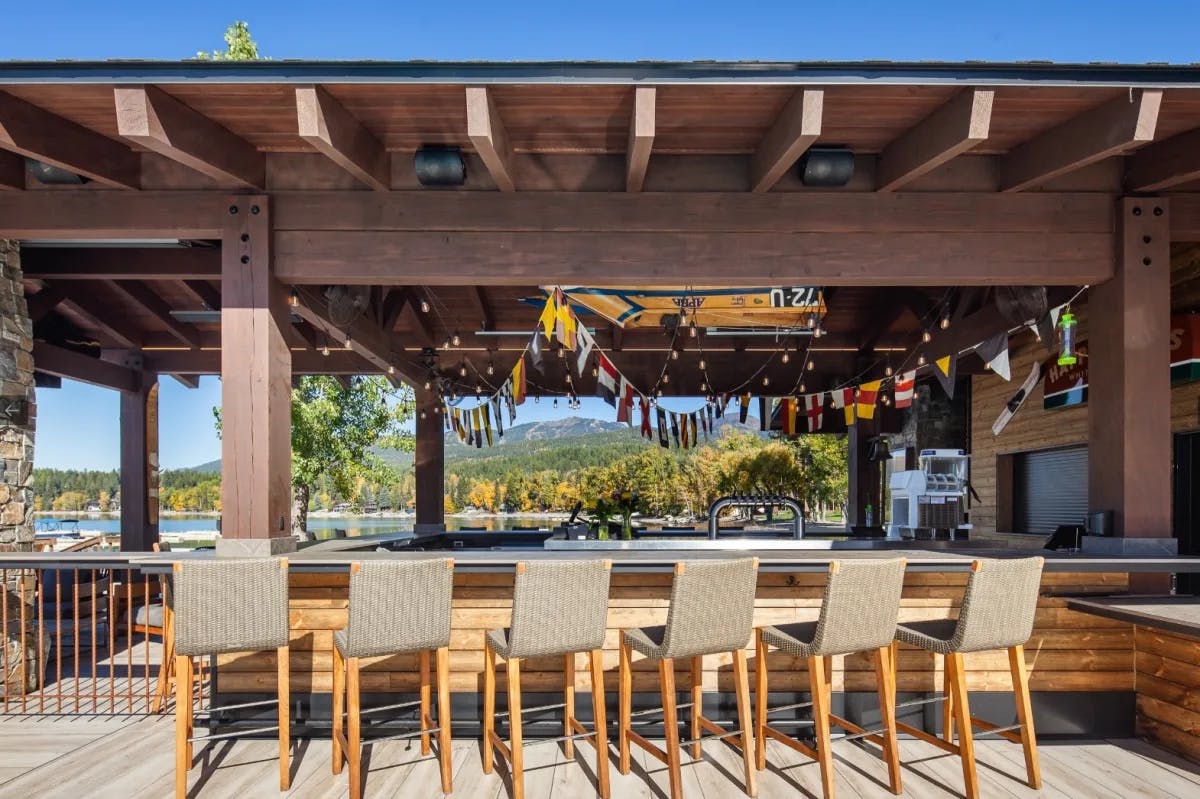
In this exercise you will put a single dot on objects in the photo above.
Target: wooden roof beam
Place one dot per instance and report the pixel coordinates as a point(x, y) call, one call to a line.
point(365, 336)
point(956, 127)
point(333, 131)
point(73, 365)
point(140, 294)
point(120, 263)
point(796, 128)
point(157, 121)
point(1122, 124)
point(1165, 164)
point(45, 301)
point(483, 309)
point(28, 130)
point(204, 293)
point(419, 321)
point(188, 381)
point(641, 137)
point(12, 172)
point(486, 131)
point(105, 319)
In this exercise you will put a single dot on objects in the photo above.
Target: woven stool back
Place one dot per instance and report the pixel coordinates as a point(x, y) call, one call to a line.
point(999, 604)
point(399, 606)
point(712, 607)
point(558, 607)
point(230, 605)
point(860, 607)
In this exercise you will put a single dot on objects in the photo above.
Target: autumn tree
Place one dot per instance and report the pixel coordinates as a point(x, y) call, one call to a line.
point(238, 45)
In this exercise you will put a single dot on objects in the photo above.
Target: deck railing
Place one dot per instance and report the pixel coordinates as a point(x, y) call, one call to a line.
point(82, 635)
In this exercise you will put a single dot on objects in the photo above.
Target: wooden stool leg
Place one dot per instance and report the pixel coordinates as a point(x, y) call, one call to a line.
point(596, 658)
point(666, 677)
point(353, 728)
point(625, 698)
point(489, 705)
point(283, 658)
point(947, 703)
point(189, 708)
point(423, 661)
point(697, 689)
point(568, 702)
point(163, 689)
point(339, 709)
point(183, 699)
point(962, 717)
point(741, 675)
point(886, 678)
point(443, 717)
point(1020, 678)
point(821, 708)
point(513, 667)
point(760, 699)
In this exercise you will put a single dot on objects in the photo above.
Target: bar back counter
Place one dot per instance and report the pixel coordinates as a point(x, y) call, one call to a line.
point(1081, 666)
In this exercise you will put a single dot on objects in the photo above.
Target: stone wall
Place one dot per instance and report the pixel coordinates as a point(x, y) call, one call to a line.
point(17, 408)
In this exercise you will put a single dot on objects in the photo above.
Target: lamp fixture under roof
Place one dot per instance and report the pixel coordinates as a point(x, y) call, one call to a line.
point(826, 167)
point(440, 166)
point(50, 175)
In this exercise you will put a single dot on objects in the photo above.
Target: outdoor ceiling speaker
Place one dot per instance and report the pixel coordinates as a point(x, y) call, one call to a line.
point(826, 166)
point(53, 175)
point(440, 166)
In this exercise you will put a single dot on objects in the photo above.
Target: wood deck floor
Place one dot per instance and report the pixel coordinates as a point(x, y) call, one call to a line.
point(75, 757)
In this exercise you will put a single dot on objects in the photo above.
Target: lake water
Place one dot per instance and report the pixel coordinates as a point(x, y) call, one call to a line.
point(321, 526)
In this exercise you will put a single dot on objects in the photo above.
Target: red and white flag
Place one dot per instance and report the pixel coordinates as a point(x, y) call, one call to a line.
point(816, 404)
point(606, 381)
point(905, 384)
point(625, 402)
point(844, 398)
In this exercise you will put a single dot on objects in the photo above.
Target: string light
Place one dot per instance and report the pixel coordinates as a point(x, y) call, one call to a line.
point(349, 342)
point(666, 378)
point(424, 306)
point(800, 388)
point(887, 370)
point(692, 333)
point(926, 336)
point(674, 355)
point(944, 322)
point(568, 378)
point(562, 352)
point(462, 370)
point(428, 383)
point(703, 386)
point(491, 369)
point(391, 369)
point(556, 402)
point(325, 350)
point(423, 414)
point(446, 343)
point(294, 299)
point(703, 366)
point(658, 393)
point(883, 399)
point(766, 381)
point(921, 359)
point(811, 364)
point(595, 371)
point(785, 357)
point(456, 339)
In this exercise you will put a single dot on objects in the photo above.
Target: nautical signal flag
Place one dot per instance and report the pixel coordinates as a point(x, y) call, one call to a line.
point(787, 411)
point(865, 398)
point(905, 385)
point(945, 369)
point(816, 404)
point(607, 379)
point(518, 381)
point(844, 398)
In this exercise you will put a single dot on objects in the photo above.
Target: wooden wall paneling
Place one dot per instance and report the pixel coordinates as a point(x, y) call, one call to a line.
point(1168, 690)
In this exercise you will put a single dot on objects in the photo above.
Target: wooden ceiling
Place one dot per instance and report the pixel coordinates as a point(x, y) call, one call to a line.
point(276, 128)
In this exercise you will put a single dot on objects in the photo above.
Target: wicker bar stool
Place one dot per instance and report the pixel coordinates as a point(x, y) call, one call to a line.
point(221, 606)
point(711, 612)
point(858, 614)
point(396, 607)
point(997, 612)
point(559, 609)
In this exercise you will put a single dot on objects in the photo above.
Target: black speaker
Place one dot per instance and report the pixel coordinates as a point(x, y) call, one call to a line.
point(826, 166)
point(440, 166)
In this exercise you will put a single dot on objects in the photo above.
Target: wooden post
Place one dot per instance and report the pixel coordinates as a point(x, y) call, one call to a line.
point(430, 465)
point(139, 466)
point(256, 387)
point(864, 475)
point(1129, 397)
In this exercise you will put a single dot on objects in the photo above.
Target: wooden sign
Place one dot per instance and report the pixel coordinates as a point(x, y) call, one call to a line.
point(644, 306)
point(1067, 386)
point(14, 411)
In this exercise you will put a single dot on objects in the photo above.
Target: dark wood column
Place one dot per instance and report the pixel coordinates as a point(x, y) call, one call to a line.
point(864, 474)
point(1129, 392)
point(139, 466)
point(430, 464)
point(256, 386)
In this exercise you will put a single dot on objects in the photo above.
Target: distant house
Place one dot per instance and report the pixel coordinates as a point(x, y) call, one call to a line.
point(93, 506)
point(343, 507)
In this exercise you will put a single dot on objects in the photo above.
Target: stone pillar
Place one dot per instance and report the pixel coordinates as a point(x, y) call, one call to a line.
point(430, 465)
point(17, 406)
point(1129, 396)
point(256, 387)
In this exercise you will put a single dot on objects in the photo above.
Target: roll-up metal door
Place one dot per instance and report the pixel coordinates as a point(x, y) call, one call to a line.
point(1051, 488)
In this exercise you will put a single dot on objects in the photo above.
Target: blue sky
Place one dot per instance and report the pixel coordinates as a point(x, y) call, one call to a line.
point(77, 425)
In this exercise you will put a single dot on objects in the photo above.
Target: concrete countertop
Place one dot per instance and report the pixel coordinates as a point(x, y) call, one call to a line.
point(1178, 614)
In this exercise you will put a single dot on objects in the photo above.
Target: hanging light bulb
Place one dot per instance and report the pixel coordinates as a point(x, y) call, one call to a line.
point(674, 355)
point(666, 378)
point(456, 339)
point(887, 370)
point(437, 409)
point(562, 353)
point(325, 350)
point(568, 379)
point(703, 366)
point(294, 299)
point(883, 399)
point(349, 342)
point(595, 371)
point(921, 359)
point(658, 393)
point(818, 331)
point(428, 383)
point(391, 369)
point(462, 370)
point(491, 369)
point(926, 336)
point(766, 380)
point(556, 402)
point(944, 322)
point(446, 343)
point(703, 386)
point(537, 398)
point(785, 357)
point(423, 413)
point(692, 332)
point(478, 389)
point(424, 306)
point(800, 388)
point(811, 364)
